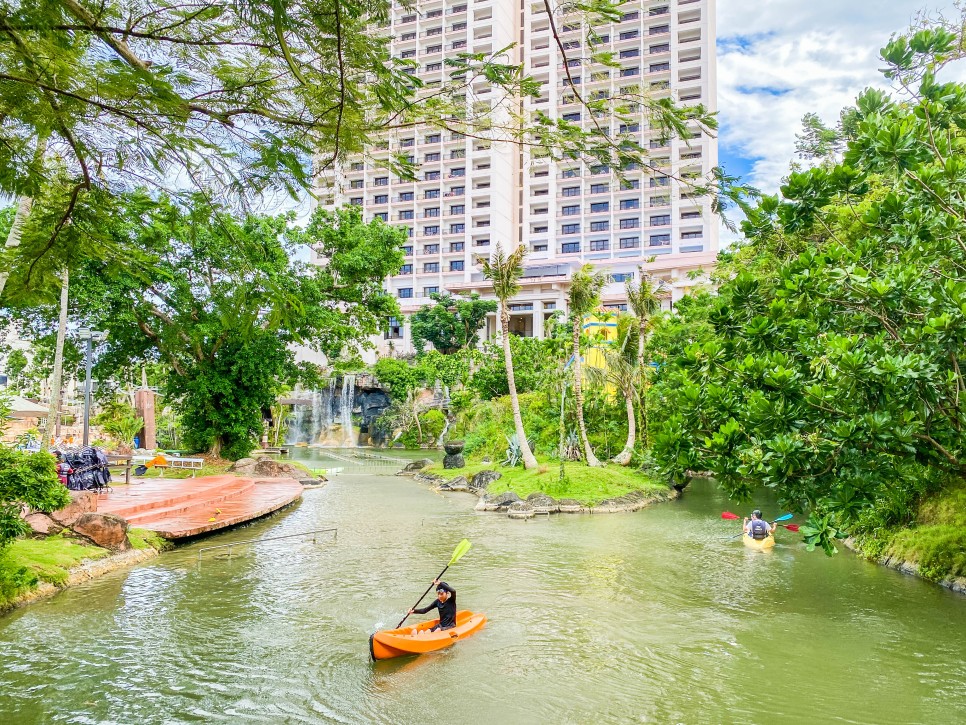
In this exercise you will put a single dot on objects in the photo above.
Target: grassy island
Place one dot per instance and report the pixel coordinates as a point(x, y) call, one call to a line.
point(581, 482)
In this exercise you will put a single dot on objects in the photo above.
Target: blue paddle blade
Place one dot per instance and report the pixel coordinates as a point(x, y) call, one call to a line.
point(785, 517)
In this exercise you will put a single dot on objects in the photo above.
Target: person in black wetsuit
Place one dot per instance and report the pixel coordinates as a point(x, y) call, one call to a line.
point(445, 602)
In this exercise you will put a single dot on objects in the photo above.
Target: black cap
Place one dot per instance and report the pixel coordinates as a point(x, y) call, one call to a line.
point(444, 587)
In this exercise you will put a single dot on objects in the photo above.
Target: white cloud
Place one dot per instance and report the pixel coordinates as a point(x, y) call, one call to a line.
point(780, 59)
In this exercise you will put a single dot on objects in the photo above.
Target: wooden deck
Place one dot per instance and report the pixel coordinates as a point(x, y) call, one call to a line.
point(189, 507)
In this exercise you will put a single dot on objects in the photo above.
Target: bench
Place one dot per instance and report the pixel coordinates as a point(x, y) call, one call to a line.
point(193, 464)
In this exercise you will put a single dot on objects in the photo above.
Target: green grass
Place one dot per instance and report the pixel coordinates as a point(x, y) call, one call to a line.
point(144, 539)
point(581, 482)
point(936, 542)
point(51, 558)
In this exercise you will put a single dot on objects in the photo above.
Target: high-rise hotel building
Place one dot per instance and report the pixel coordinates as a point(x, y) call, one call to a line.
point(471, 194)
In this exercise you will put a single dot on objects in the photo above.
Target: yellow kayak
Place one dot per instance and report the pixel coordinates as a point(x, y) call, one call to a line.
point(759, 544)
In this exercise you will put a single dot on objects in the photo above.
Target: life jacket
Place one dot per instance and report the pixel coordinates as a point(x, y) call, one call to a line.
point(759, 529)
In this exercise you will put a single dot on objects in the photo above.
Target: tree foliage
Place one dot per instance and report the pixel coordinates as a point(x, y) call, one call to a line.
point(26, 479)
point(835, 377)
point(451, 323)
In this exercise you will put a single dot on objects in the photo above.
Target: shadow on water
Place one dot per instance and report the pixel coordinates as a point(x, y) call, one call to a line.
point(649, 617)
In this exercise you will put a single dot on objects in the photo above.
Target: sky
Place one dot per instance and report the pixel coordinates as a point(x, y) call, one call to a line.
point(780, 59)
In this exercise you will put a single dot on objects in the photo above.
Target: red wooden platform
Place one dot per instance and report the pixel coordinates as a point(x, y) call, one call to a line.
point(177, 509)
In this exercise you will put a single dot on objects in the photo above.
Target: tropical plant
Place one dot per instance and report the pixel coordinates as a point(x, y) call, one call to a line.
point(514, 451)
point(26, 479)
point(584, 296)
point(504, 271)
point(451, 323)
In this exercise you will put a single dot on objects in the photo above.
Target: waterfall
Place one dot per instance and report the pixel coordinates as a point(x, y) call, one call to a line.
point(345, 409)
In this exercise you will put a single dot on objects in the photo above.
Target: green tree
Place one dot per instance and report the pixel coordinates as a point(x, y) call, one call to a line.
point(504, 271)
point(26, 479)
point(452, 323)
point(16, 364)
point(584, 297)
point(221, 301)
point(402, 377)
point(837, 380)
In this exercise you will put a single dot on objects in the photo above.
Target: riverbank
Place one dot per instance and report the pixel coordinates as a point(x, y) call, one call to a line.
point(608, 489)
point(33, 569)
point(933, 547)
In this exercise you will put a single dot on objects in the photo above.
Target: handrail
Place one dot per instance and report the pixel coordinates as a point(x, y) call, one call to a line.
point(271, 538)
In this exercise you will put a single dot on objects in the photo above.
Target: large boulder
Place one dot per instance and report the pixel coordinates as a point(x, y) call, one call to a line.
point(43, 525)
point(459, 483)
point(520, 510)
point(482, 480)
point(430, 478)
point(105, 530)
point(81, 502)
point(243, 465)
point(569, 506)
point(542, 503)
point(495, 503)
point(417, 465)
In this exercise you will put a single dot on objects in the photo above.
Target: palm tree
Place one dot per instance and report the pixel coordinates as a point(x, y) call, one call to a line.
point(505, 272)
point(585, 287)
point(644, 302)
point(623, 373)
point(57, 381)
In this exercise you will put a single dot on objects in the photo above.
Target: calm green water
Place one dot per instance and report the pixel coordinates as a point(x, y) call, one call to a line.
point(646, 617)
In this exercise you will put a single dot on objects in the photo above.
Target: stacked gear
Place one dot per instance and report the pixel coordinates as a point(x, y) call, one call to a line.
point(89, 469)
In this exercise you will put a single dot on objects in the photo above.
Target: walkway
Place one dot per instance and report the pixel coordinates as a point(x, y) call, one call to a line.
point(189, 507)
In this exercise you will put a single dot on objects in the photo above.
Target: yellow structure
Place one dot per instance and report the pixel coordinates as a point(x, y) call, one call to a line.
point(603, 330)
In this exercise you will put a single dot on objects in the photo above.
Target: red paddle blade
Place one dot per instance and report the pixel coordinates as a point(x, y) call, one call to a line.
point(729, 515)
point(791, 527)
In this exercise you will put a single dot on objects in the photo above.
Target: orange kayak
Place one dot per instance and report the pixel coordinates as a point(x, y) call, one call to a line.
point(416, 639)
point(759, 544)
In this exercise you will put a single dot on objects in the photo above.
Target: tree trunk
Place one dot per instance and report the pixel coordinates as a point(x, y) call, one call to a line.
point(24, 204)
point(624, 457)
point(215, 451)
point(579, 398)
point(57, 383)
point(529, 461)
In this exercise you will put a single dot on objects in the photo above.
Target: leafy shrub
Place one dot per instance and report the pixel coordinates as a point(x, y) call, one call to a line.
point(31, 479)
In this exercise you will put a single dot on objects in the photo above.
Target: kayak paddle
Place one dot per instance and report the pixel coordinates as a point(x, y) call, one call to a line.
point(734, 517)
point(458, 552)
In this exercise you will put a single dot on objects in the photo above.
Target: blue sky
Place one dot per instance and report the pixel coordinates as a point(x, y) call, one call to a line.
point(779, 59)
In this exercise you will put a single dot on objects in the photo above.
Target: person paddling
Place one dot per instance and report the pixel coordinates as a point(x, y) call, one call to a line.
point(757, 528)
point(446, 604)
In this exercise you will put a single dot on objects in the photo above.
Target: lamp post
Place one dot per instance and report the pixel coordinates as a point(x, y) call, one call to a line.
point(91, 337)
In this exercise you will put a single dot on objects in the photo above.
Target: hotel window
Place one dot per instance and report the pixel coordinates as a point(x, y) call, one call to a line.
point(599, 188)
point(599, 206)
point(431, 67)
point(431, 232)
point(381, 215)
point(570, 229)
point(458, 44)
point(570, 191)
point(431, 211)
point(542, 229)
point(598, 170)
point(630, 53)
point(692, 235)
point(434, 14)
point(659, 29)
point(406, 214)
point(690, 215)
point(431, 194)
point(625, 72)
point(630, 223)
point(356, 184)
point(457, 246)
point(457, 228)
point(431, 267)
point(572, 210)
point(572, 117)
point(431, 249)
point(456, 191)
point(434, 49)
point(630, 34)
point(662, 48)
point(356, 201)
point(404, 38)
point(457, 209)
point(626, 17)
point(433, 138)
point(406, 142)
point(456, 265)
point(408, 251)
point(457, 172)
point(599, 226)
point(404, 293)
point(572, 81)
point(381, 181)
point(621, 276)
point(380, 199)
point(630, 127)
point(458, 9)
point(427, 291)
point(459, 26)
point(406, 269)
point(407, 196)
point(570, 248)
point(630, 204)
point(569, 173)
point(434, 31)
point(658, 67)
point(630, 242)
point(408, 19)
point(658, 240)
point(599, 245)
point(431, 176)
point(631, 184)
point(661, 221)
point(664, 10)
